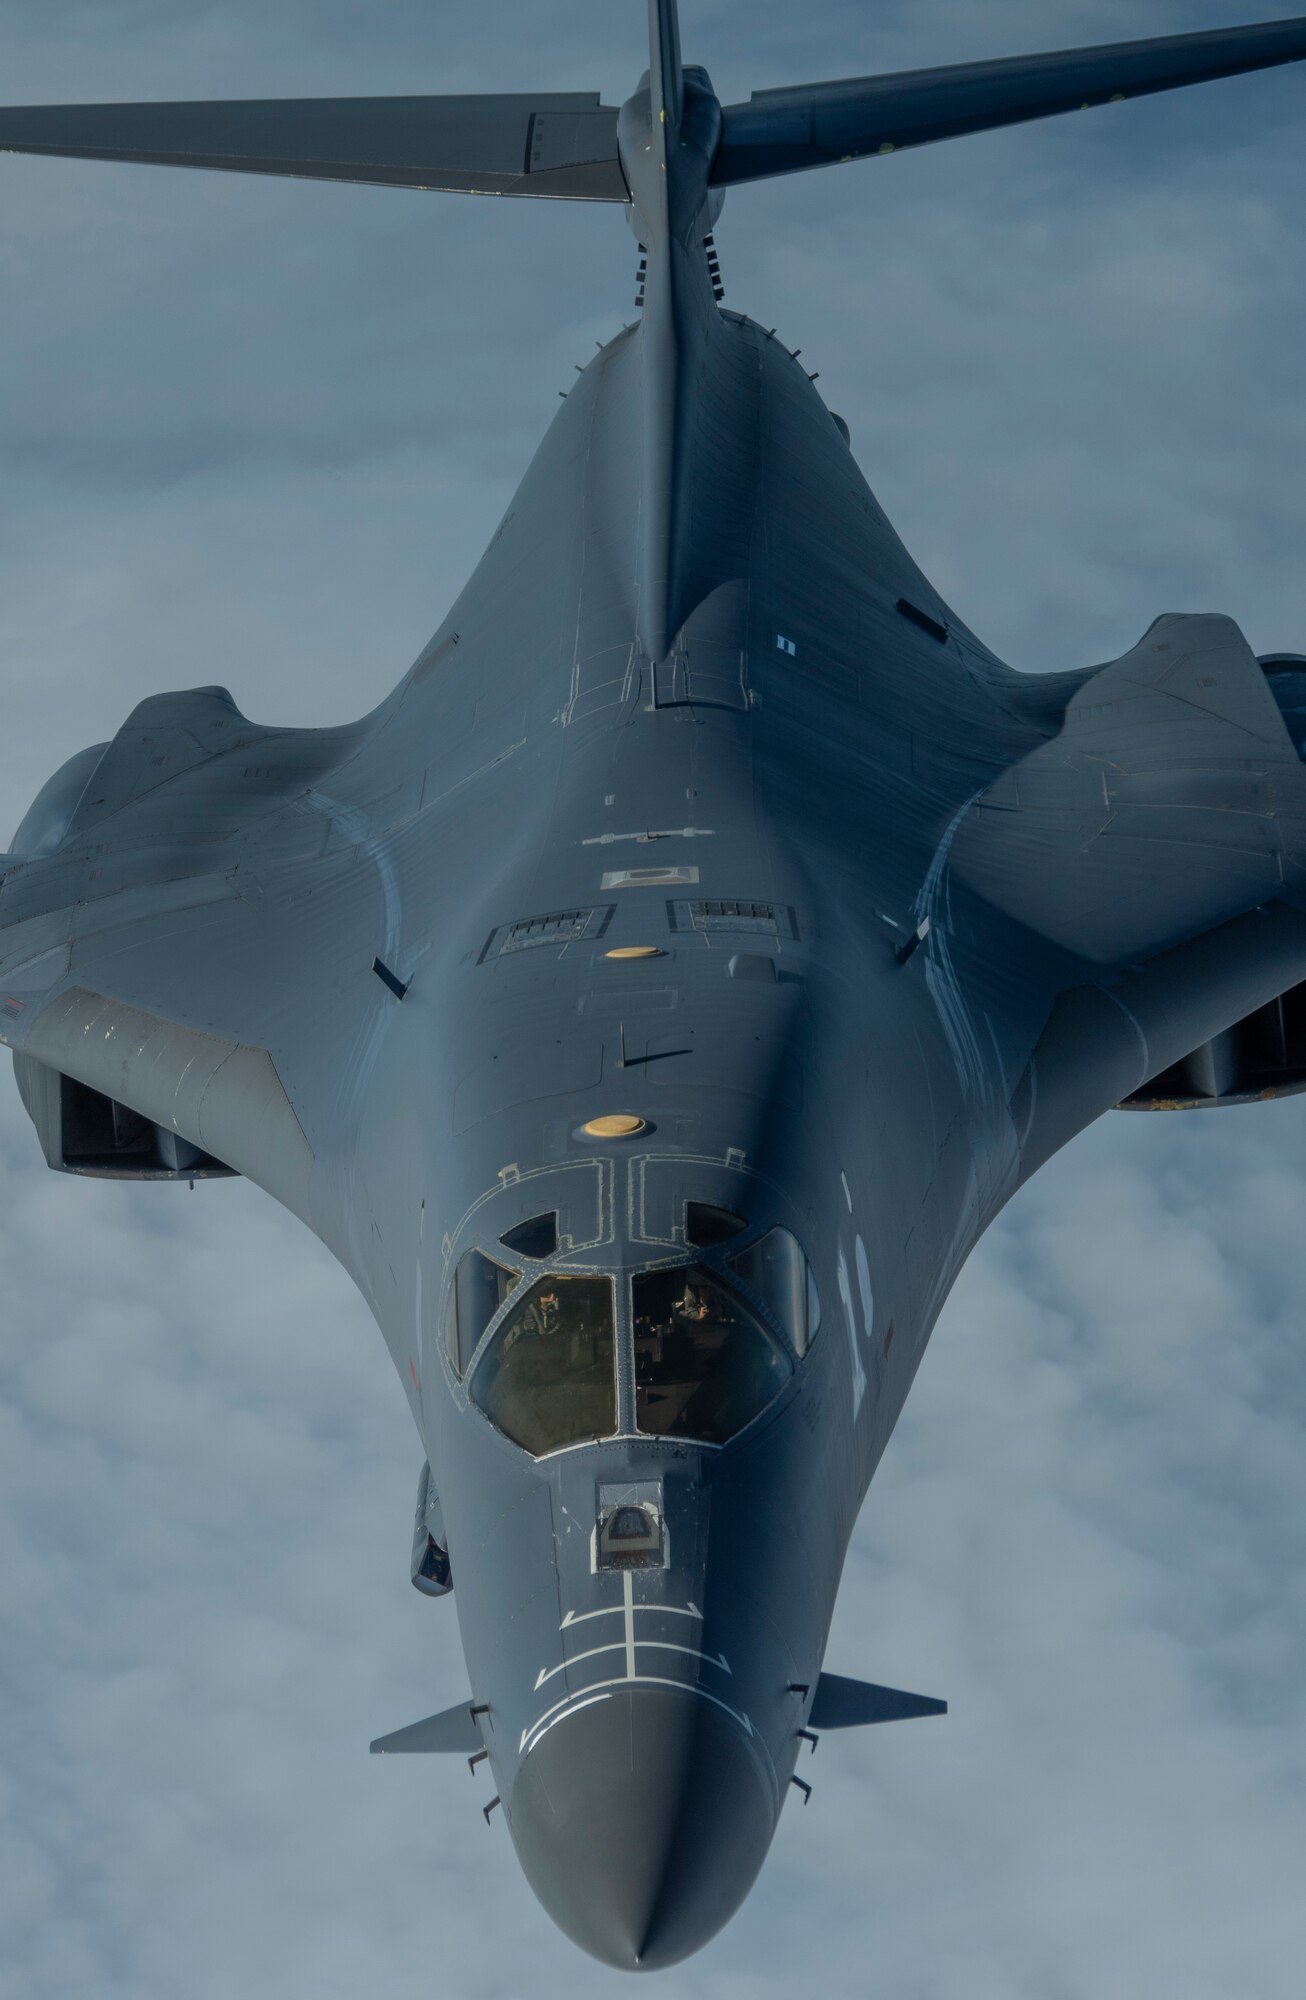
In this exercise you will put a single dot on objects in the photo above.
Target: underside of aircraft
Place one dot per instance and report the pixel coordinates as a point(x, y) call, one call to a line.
point(653, 1000)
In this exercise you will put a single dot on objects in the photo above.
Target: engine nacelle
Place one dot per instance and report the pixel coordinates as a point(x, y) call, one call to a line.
point(83, 1132)
point(1257, 1058)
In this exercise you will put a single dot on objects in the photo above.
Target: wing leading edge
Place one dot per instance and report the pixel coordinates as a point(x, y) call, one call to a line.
point(816, 124)
point(561, 146)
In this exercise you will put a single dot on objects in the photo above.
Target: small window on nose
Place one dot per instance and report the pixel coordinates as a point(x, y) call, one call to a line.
point(706, 1226)
point(630, 1532)
point(536, 1238)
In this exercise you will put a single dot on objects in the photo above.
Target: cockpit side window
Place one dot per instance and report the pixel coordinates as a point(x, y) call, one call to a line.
point(704, 1363)
point(813, 1307)
point(548, 1374)
point(775, 1268)
point(480, 1287)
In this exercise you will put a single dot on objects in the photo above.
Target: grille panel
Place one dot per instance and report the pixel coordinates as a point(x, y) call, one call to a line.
point(554, 928)
point(732, 913)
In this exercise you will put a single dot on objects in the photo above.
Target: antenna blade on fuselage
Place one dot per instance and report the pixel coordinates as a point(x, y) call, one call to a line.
point(559, 146)
point(813, 125)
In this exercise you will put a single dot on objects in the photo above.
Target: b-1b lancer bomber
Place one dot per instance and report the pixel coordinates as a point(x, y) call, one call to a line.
point(652, 1001)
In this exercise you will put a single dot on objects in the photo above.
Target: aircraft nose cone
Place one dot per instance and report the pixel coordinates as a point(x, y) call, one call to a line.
point(640, 1821)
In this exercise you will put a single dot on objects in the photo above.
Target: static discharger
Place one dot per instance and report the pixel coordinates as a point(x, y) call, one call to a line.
point(634, 951)
point(617, 1125)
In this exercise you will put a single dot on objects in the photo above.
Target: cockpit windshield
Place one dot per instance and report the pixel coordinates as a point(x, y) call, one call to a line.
point(704, 1364)
point(548, 1374)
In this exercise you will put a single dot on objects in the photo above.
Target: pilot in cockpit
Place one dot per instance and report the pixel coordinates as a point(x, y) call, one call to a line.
point(692, 1304)
point(539, 1319)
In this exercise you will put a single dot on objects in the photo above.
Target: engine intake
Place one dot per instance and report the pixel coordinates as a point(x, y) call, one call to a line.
point(1260, 1057)
point(83, 1132)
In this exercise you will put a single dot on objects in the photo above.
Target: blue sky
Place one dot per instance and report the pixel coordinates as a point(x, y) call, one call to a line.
point(258, 434)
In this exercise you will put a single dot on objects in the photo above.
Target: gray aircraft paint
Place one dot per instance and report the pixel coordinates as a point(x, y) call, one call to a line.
point(695, 664)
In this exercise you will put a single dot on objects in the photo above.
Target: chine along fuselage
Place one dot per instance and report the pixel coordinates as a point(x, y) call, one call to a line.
point(653, 1000)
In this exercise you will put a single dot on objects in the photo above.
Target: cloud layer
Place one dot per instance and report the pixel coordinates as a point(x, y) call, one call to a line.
point(258, 434)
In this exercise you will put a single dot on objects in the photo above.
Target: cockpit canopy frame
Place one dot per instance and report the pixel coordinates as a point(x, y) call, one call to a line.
point(694, 1347)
